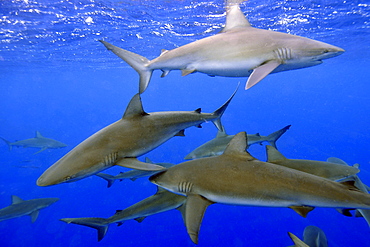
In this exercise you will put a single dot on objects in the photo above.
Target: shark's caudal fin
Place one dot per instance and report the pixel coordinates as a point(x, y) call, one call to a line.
point(136, 61)
point(220, 111)
point(100, 224)
point(273, 137)
point(107, 177)
point(7, 143)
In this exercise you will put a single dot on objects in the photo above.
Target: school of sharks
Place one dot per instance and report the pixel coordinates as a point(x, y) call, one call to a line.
point(221, 170)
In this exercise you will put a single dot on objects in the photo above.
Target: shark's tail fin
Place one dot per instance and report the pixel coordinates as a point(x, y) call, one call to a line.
point(109, 178)
point(136, 61)
point(273, 137)
point(220, 111)
point(7, 142)
point(99, 224)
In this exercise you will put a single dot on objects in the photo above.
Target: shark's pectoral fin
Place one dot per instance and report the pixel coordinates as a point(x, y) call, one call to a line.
point(261, 72)
point(302, 210)
point(195, 206)
point(297, 241)
point(42, 149)
point(136, 164)
point(34, 215)
point(185, 72)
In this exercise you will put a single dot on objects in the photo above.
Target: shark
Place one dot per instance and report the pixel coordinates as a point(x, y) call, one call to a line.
point(161, 201)
point(120, 143)
point(237, 178)
point(21, 207)
point(325, 169)
point(38, 141)
point(238, 50)
point(217, 145)
point(132, 174)
point(312, 237)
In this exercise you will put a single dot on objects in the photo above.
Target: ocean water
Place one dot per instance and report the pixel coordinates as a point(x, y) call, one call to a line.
point(55, 77)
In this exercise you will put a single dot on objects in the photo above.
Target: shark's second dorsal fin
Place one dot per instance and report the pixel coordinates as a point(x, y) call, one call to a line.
point(16, 199)
point(273, 154)
point(235, 18)
point(238, 145)
point(135, 107)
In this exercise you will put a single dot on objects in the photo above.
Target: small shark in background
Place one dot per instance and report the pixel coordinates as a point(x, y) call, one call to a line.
point(325, 169)
point(237, 178)
point(312, 237)
point(217, 145)
point(132, 175)
point(21, 207)
point(135, 134)
point(38, 142)
point(161, 201)
point(239, 50)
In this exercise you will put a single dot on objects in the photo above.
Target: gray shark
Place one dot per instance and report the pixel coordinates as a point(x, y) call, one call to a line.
point(239, 50)
point(332, 171)
point(237, 178)
point(21, 207)
point(217, 145)
point(132, 175)
point(135, 134)
point(38, 142)
point(312, 237)
point(162, 201)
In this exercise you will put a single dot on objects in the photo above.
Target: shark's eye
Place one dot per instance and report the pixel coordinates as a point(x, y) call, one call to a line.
point(67, 178)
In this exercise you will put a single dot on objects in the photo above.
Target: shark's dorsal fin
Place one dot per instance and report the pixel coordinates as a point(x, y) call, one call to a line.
point(198, 110)
point(235, 18)
point(221, 134)
point(336, 161)
point(195, 206)
point(302, 210)
point(273, 154)
point(238, 145)
point(38, 134)
point(16, 199)
point(147, 160)
point(135, 107)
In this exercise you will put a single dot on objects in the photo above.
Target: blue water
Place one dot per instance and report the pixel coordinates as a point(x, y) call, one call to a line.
point(56, 78)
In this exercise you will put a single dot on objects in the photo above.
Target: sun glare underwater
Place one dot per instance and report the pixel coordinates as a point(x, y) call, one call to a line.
point(60, 87)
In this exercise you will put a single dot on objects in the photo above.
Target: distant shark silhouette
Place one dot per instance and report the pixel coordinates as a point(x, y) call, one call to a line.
point(120, 143)
point(217, 145)
point(239, 50)
point(132, 175)
point(162, 201)
point(312, 237)
point(237, 178)
point(21, 207)
point(38, 142)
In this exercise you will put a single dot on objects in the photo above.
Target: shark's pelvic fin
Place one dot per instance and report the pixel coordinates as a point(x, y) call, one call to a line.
point(302, 210)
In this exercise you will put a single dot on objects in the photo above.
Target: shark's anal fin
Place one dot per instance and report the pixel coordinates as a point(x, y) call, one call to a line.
point(261, 72)
point(195, 207)
point(302, 210)
point(136, 164)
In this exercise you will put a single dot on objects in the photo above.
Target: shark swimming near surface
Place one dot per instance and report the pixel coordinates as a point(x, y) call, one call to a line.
point(237, 178)
point(132, 174)
point(217, 145)
point(21, 207)
point(135, 134)
point(38, 141)
point(239, 50)
point(161, 201)
point(325, 169)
